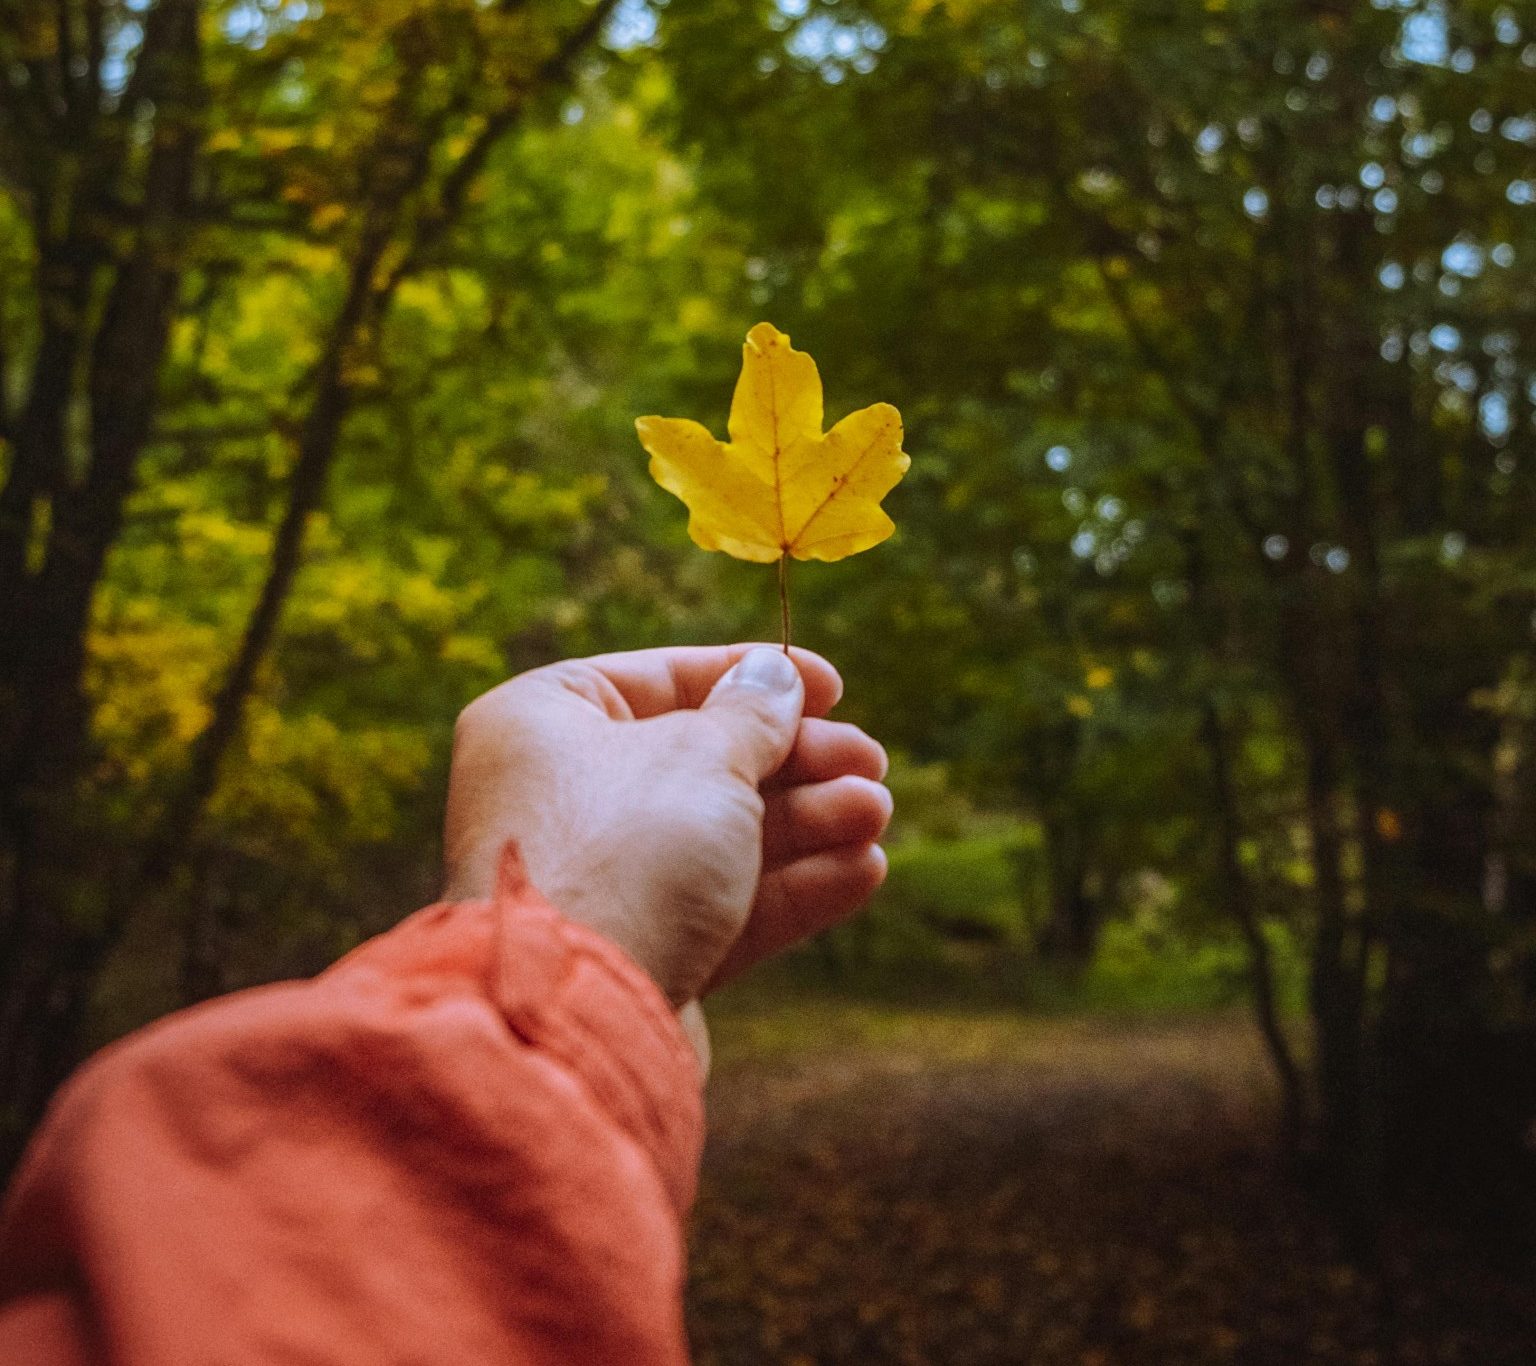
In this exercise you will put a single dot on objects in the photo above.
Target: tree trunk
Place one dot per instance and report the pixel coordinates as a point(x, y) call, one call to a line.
point(1071, 932)
point(59, 869)
point(1238, 896)
point(68, 894)
point(1346, 1160)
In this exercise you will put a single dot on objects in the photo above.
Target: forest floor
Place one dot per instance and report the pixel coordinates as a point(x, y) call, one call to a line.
point(958, 1186)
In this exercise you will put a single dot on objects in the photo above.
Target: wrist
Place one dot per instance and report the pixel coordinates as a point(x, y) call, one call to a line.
point(691, 1017)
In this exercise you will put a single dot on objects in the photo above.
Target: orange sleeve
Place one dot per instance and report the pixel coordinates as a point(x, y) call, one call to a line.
point(472, 1140)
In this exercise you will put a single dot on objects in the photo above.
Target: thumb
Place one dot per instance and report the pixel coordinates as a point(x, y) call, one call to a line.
point(756, 707)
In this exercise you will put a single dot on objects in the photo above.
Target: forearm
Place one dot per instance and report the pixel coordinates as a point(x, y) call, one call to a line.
point(474, 1139)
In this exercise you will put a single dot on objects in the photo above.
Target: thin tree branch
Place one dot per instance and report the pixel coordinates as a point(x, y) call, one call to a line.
point(366, 302)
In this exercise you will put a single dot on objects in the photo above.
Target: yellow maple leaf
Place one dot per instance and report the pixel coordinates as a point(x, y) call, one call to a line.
point(780, 486)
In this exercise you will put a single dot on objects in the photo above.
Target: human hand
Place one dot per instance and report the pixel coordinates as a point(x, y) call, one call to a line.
point(692, 804)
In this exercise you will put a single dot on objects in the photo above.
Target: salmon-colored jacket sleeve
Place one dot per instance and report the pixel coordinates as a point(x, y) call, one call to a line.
point(474, 1139)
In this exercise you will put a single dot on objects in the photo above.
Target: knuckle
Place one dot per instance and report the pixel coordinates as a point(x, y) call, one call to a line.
point(467, 725)
point(491, 724)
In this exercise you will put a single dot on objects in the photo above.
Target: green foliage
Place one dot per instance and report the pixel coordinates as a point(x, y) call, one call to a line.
point(954, 913)
point(1207, 624)
point(1144, 964)
point(964, 889)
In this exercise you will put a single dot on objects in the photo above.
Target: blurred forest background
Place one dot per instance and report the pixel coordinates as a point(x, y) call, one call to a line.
point(1206, 647)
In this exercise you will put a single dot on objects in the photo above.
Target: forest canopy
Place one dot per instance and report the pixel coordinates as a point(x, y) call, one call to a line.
point(324, 326)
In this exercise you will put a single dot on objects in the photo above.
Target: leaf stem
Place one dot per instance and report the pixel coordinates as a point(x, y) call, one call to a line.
point(784, 597)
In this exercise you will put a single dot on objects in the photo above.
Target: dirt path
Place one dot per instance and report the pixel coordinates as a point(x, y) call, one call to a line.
point(1046, 1193)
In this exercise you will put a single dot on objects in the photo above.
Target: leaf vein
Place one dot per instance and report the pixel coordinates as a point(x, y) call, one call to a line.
point(837, 487)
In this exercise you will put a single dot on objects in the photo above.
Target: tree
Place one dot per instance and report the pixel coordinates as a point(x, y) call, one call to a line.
point(151, 156)
point(1255, 271)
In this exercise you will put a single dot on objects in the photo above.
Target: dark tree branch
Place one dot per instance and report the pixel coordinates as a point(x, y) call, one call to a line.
point(1237, 896)
point(85, 166)
point(121, 384)
point(1208, 423)
point(95, 48)
point(366, 302)
point(456, 184)
point(64, 53)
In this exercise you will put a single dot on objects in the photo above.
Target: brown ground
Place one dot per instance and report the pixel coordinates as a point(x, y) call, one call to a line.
point(897, 1187)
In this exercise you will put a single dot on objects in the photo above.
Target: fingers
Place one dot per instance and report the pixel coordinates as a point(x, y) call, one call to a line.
point(671, 678)
point(828, 749)
point(802, 898)
point(755, 712)
point(802, 820)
